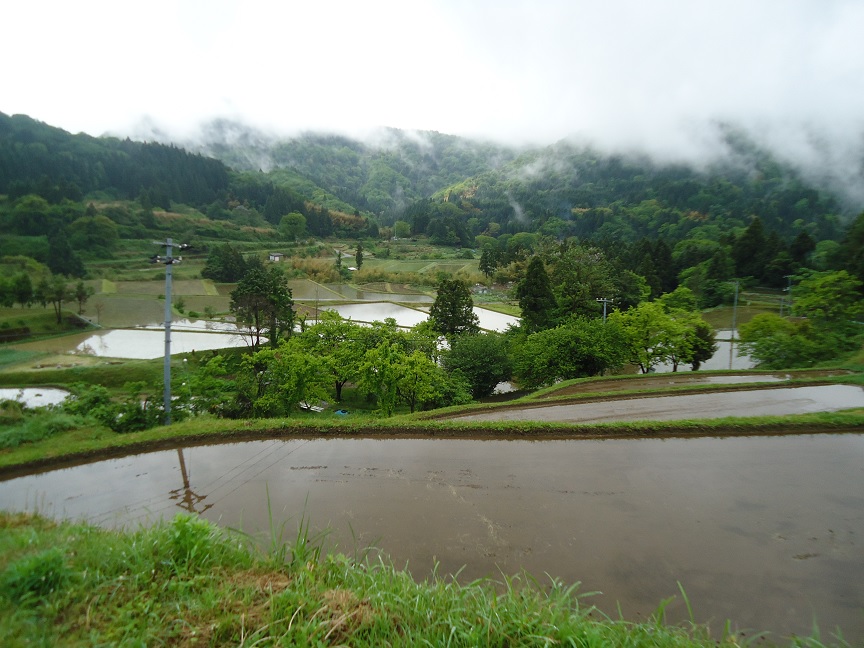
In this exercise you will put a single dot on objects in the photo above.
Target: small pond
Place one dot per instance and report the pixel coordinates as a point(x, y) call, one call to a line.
point(764, 531)
point(35, 396)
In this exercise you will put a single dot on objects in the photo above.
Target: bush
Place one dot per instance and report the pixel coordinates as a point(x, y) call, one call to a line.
point(38, 426)
point(34, 578)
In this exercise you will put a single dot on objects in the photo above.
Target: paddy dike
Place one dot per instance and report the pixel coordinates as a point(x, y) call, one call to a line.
point(671, 397)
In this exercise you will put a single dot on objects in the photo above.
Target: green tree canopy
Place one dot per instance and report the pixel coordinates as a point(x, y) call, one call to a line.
point(829, 297)
point(654, 335)
point(536, 299)
point(281, 380)
point(340, 344)
point(225, 264)
point(482, 358)
point(577, 349)
point(452, 312)
point(262, 305)
point(292, 226)
point(95, 233)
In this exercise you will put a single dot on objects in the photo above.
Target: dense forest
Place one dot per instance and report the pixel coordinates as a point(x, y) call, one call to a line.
point(745, 216)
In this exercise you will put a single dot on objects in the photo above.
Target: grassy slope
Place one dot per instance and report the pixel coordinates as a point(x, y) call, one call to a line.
point(186, 582)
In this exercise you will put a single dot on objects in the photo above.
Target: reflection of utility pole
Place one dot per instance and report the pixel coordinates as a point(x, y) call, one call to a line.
point(189, 499)
point(734, 324)
point(605, 301)
point(169, 261)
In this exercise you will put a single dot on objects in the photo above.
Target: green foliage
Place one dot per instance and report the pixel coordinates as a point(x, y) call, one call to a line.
point(95, 234)
point(452, 312)
point(580, 275)
point(831, 302)
point(482, 359)
point(340, 344)
point(37, 158)
point(262, 303)
point(576, 349)
point(656, 336)
point(292, 226)
point(225, 264)
point(34, 578)
point(11, 411)
point(849, 255)
point(701, 342)
point(22, 289)
point(34, 426)
point(275, 382)
point(87, 400)
point(191, 544)
point(133, 586)
point(81, 294)
point(139, 411)
point(779, 343)
point(682, 298)
point(136, 412)
point(833, 298)
point(209, 388)
point(380, 374)
point(536, 300)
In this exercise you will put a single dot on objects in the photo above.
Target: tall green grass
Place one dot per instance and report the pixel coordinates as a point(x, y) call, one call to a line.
point(187, 582)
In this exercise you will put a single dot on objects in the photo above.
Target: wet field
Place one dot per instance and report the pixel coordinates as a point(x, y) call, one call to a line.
point(764, 531)
point(762, 402)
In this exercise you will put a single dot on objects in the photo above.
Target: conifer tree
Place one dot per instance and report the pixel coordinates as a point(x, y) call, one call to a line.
point(536, 298)
point(453, 310)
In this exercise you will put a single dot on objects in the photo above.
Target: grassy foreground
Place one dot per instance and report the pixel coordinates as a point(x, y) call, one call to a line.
point(187, 582)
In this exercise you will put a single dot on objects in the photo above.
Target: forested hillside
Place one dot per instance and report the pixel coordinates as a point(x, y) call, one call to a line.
point(452, 189)
point(745, 213)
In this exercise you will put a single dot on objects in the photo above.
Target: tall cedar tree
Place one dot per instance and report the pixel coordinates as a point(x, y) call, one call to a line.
point(536, 298)
point(453, 310)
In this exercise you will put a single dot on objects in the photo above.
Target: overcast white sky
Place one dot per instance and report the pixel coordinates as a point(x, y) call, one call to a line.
point(643, 72)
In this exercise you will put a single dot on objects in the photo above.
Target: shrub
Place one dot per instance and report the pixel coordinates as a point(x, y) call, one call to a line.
point(34, 578)
point(38, 426)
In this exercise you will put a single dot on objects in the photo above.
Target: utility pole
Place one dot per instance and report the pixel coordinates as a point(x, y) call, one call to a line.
point(605, 301)
point(734, 324)
point(169, 261)
point(788, 289)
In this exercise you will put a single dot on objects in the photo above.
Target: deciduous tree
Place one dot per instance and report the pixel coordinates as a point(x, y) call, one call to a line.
point(262, 305)
point(482, 358)
point(579, 348)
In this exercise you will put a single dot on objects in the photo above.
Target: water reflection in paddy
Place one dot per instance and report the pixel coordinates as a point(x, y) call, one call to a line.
point(766, 531)
point(136, 344)
point(35, 396)
point(408, 317)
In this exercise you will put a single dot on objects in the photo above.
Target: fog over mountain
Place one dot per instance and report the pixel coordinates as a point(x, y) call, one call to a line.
point(623, 75)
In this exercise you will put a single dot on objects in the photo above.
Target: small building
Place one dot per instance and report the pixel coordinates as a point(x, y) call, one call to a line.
point(276, 257)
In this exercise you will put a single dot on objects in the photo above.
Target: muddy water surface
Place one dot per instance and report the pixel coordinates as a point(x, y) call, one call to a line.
point(763, 402)
point(765, 531)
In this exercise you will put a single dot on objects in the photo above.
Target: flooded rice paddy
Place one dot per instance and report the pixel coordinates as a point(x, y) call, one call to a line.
point(407, 317)
point(762, 402)
point(148, 342)
point(764, 531)
point(34, 396)
point(133, 344)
